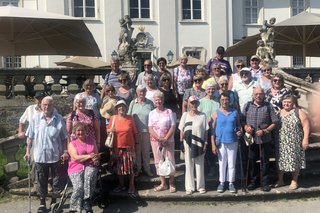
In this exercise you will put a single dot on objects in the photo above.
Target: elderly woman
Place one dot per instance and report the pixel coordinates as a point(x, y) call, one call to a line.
point(93, 100)
point(215, 73)
point(162, 69)
point(182, 77)
point(235, 78)
point(275, 95)
point(224, 141)
point(125, 91)
point(82, 169)
point(140, 108)
point(293, 140)
point(123, 147)
point(85, 116)
point(195, 90)
point(193, 134)
point(150, 86)
point(162, 124)
point(170, 100)
point(265, 80)
point(108, 103)
point(223, 88)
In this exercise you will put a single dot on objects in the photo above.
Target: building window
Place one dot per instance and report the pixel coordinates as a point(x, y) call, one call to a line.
point(194, 54)
point(140, 8)
point(12, 62)
point(297, 61)
point(84, 8)
point(299, 6)
point(191, 9)
point(12, 2)
point(251, 11)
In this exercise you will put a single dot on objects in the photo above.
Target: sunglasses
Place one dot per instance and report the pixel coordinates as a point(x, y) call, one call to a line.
point(276, 80)
point(165, 79)
point(240, 66)
point(122, 80)
point(244, 74)
point(147, 65)
point(267, 70)
point(224, 84)
point(197, 81)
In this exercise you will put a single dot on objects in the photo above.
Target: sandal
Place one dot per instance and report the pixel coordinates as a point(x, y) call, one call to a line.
point(172, 189)
point(293, 186)
point(160, 188)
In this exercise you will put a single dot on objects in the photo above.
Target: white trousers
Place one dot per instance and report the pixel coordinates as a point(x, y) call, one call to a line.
point(227, 159)
point(191, 163)
point(143, 150)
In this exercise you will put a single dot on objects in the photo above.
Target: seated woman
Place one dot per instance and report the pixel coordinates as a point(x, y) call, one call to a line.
point(123, 147)
point(82, 170)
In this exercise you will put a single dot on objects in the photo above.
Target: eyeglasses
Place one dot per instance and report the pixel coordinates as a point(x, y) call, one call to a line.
point(122, 80)
point(258, 94)
point(244, 74)
point(266, 70)
point(240, 66)
point(147, 65)
point(276, 80)
point(197, 81)
point(217, 68)
point(224, 84)
point(165, 79)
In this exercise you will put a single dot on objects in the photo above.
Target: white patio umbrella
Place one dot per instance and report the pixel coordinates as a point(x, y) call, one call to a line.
point(83, 61)
point(31, 32)
point(296, 36)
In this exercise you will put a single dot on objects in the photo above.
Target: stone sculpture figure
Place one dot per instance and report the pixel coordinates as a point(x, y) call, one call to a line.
point(127, 46)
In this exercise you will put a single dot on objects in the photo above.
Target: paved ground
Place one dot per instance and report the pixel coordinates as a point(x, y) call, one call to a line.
point(21, 205)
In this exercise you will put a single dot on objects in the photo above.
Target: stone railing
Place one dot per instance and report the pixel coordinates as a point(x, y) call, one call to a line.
point(14, 82)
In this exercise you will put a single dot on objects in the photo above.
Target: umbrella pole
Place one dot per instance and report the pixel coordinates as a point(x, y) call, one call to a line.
point(304, 46)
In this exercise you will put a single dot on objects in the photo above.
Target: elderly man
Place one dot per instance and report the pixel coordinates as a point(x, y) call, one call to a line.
point(147, 65)
point(47, 134)
point(218, 59)
point(259, 120)
point(245, 88)
point(113, 76)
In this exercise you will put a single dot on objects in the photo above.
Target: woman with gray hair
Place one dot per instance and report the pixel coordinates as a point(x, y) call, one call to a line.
point(162, 123)
point(151, 87)
point(86, 116)
point(223, 88)
point(235, 78)
point(140, 108)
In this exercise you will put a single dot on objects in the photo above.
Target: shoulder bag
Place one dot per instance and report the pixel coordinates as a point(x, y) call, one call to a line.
point(110, 137)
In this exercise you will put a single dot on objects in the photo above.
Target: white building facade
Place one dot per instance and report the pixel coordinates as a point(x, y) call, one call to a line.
point(194, 27)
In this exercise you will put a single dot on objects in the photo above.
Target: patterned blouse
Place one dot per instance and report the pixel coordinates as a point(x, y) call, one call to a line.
point(276, 101)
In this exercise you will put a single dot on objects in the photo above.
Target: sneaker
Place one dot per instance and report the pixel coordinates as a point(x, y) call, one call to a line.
point(232, 189)
point(220, 188)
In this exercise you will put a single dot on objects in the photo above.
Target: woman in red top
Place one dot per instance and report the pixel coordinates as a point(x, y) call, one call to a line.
point(123, 148)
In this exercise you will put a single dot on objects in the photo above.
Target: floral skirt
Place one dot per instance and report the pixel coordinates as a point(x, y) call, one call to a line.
point(122, 161)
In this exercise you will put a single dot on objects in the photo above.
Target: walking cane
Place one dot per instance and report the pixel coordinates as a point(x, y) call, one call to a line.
point(261, 175)
point(243, 188)
point(29, 183)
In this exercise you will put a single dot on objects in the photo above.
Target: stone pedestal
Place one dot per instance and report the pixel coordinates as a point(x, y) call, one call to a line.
point(132, 69)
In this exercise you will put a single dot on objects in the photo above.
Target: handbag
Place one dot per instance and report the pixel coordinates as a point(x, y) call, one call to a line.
point(165, 165)
point(110, 137)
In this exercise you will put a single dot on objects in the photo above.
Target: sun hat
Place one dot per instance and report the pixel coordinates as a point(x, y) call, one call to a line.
point(245, 69)
point(193, 98)
point(254, 57)
point(121, 102)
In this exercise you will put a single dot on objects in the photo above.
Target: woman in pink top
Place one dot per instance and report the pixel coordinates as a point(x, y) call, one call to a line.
point(82, 170)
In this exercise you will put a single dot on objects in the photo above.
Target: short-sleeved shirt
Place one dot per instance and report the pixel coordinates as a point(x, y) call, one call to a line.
point(161, 122)
point(208, 106)
point(140, 113)
point(125, 131)
point(244, 93)
point(259, 117)
point(256, 74)
point(141, 81)
point(48, 139)
point(225, 65)
point(29, 113)
point(112, 78)
point(183, 79)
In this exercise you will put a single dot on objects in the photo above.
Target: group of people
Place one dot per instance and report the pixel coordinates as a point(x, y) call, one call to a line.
point(219, 111)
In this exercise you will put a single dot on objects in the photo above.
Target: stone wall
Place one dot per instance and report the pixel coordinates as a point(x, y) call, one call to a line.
point(12, 109)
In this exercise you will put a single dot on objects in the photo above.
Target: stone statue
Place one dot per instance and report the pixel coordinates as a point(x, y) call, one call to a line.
point(265, 46)
point(127, 46)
